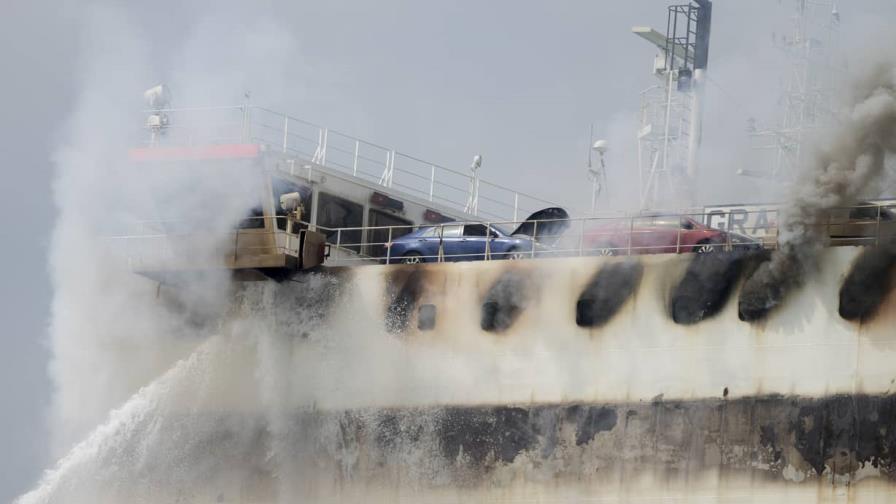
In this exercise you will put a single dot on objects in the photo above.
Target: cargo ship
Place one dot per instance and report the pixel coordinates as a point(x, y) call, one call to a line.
point(605, 358)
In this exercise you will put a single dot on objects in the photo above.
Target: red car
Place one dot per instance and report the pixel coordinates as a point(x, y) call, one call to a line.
point(661, 234)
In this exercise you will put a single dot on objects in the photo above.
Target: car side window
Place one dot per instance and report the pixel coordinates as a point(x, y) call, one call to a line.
point(865, 213)
point(686, 224)
point(475, 230)
point(451, 231)
point(665, 222)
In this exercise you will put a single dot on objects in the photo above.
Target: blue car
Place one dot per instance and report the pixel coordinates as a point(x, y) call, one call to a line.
point(472, 241)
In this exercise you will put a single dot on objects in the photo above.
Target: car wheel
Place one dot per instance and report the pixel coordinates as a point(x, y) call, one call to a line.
point(515, 255)
point(705, 247)
point(412, 258)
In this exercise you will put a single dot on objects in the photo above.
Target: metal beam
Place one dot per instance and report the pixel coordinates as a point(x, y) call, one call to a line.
point(659, 40)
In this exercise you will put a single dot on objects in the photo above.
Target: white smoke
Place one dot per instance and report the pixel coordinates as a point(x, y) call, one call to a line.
point(113, 331)
point(101, 341)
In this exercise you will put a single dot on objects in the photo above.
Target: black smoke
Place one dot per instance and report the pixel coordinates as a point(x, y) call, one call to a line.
point(707, 285)
point(847, 162)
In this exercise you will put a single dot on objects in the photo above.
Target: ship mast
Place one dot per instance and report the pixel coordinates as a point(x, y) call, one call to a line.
point(807, 98)
point(670, 114)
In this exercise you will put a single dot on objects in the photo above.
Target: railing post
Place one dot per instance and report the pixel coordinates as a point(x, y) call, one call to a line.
point(386, 178)
point(320, 144)
point(338, 238)
point(488, 241)
point(516, 204)
point(728, 244)
point(323, 153)
point(582, 239)
point(391, 166)
point(355, 158)
point(877, 233)
point(432, 180)
point(441, 255)
point(476, 198)
point(236, 246)
point(678, 238)
point(631, 230)
point(534, 236)
point(285, 131)
point(389, 247)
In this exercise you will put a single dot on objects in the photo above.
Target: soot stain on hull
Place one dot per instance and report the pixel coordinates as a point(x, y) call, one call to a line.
point(772, 435)
point(707, 285)
point(771, 438)
point(499, 434)
point(609, 289)
point(404, 287)
point(868, 283)
point(505, 300)
point(758, 298)
point(590, 421)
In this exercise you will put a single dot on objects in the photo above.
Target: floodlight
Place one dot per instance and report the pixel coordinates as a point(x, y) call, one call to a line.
point(290, 201)
point(600, 146)
point(477, 162)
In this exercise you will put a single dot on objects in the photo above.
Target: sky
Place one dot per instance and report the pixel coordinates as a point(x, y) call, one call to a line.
point(518, 82)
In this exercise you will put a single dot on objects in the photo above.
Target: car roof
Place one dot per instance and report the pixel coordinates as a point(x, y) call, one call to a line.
point(459, 223)
point(456, 223)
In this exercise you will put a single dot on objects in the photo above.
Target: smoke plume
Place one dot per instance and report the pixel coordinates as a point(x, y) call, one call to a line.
point(840, 170)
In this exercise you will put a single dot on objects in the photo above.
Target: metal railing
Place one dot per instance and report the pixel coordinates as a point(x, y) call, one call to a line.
point(666, 233)
point(596, 236)
point(316, 145)
point(670, 233)
point(174, 243)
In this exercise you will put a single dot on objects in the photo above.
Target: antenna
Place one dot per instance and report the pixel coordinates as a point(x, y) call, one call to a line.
point(808, 93)
point(590, 143)
point(158, 98)
point(598, 176)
